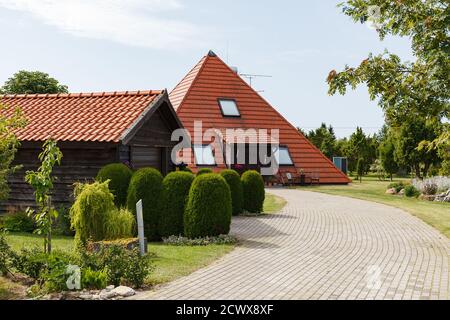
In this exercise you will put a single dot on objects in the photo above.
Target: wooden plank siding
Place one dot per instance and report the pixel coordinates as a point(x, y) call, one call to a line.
point(80, 163)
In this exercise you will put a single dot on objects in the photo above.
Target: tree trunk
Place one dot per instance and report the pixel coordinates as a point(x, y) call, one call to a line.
point(417, 171)
point(390, 176)
point(425, 169)
point(49, 234)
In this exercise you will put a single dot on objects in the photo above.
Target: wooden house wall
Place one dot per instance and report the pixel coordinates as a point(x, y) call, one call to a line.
point(80, 163)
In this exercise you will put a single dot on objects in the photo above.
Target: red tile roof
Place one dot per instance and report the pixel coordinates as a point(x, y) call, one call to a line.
point(102, 116)
point(195, 98)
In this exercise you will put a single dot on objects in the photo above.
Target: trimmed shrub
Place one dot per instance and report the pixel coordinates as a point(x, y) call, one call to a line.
point(18, 222)
point(186, 169)
point(89, 212)
point(146, 184)
point(234, 182)
point(119, 176)
point(175, 189)
point(119, 224)
point(204, 171)
point(208, 210)
point(411, 191)
point(254, 193)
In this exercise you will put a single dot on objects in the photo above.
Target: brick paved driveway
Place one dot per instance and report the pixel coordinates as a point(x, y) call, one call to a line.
point(324, 247)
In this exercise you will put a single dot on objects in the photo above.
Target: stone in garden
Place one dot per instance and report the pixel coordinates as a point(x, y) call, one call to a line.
point(124, 291)
point(109, 288)
point(402, 192)
point(105, 295)
point(85, 296)
point(391, 191)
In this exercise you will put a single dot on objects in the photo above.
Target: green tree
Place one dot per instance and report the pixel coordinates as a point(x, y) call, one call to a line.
point(387, 156)
point(10, 121)
point(341, 147)
point(42, 183)
point(358, 149)
point(404, 89)
point(360, 169)
point(324, 139)
point(407, 152)
point(32, 82)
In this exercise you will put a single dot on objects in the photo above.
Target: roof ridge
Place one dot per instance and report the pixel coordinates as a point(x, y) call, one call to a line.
point(83, 94)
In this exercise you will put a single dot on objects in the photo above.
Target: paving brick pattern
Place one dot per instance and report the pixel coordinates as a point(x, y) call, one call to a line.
point(324, 247)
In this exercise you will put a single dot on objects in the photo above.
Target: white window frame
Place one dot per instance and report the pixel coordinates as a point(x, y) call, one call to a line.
point(277, 156)
point(203, 147)
point(235, 115)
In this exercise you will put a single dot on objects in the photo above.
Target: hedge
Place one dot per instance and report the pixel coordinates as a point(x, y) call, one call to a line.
point(234, 182)
point(254, 193)
point(146, 184)
point(119, 176)
point(208, 210)
point(175, 189)
point(203, 171)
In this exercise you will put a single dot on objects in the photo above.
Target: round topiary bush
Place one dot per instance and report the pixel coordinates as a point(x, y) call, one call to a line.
point(254, 193)
point(208, 209)
point(411, 191)
point(175, 189)
point(204, 171)
point(89, 212)
point(234, 182)
point(119, 176)
point(146, 184)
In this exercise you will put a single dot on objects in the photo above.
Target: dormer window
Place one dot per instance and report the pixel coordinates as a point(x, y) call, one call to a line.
point(282, 156)
point(229, 108)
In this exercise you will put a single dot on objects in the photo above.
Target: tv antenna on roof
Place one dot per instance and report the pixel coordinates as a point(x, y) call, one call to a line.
point(250, 77)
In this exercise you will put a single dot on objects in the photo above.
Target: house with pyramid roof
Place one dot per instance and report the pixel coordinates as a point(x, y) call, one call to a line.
point(212, 96)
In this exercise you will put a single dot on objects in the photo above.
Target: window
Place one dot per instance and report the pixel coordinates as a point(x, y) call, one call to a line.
point(283, 157)
point(229, 108)
point(204, 155)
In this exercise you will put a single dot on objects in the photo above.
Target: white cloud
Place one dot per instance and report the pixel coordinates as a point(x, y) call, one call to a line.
point(131, 22)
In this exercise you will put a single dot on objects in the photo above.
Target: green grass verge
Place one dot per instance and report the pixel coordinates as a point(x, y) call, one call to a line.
point(435, 214)
point(171, 262)
point(273, 203)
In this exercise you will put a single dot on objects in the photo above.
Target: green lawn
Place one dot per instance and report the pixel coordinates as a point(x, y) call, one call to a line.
point(434, 213)
point(273, 203)
point(176, 261)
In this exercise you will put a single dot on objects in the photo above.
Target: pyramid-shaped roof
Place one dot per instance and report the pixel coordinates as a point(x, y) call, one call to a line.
point(195, 98)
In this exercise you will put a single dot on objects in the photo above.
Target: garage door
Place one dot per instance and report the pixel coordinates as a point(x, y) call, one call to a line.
point(146, 157)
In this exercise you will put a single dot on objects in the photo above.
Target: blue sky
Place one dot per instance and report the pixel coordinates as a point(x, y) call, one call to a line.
point(111, 45)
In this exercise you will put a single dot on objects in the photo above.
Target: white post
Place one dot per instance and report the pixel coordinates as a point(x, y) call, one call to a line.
point(140, 224)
